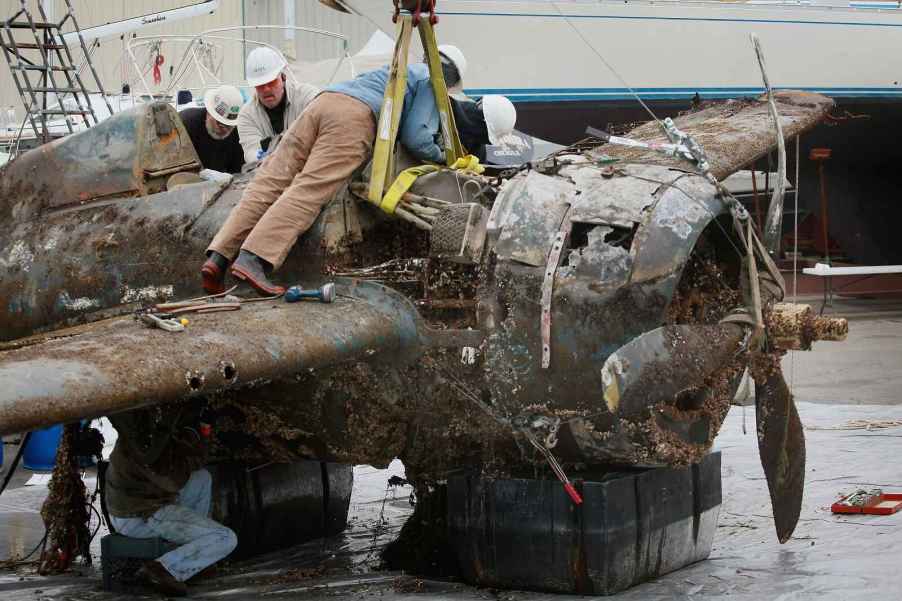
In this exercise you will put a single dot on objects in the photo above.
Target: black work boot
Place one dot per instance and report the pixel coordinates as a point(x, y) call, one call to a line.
point(159, 577)
point(213, 273)
point(250, 268)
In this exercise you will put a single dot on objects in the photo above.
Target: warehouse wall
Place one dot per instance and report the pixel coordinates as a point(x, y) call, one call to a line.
point(116, 69)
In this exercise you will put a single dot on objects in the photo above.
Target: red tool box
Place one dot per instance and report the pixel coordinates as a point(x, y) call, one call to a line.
point(873, 502)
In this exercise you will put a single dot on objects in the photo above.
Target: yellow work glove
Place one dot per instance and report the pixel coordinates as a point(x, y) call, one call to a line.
point(468, 163)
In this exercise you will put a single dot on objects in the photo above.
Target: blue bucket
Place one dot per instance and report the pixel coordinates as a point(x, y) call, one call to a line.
point(40, 452)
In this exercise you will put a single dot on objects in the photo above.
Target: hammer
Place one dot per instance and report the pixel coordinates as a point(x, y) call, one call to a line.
point(324, 294)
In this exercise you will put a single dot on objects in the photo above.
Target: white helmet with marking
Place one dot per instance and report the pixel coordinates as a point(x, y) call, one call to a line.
point(223, 104)
point(264, 65)
point(500, 117)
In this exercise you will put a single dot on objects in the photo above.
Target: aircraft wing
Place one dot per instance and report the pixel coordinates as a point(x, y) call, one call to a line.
point(120, 364)
point(732, 133)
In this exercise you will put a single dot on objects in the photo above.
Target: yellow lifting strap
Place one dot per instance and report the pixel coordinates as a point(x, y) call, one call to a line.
point(390, 114)
point(390, 119)
point(453, 148)
point(402, 184)
point(406, 178)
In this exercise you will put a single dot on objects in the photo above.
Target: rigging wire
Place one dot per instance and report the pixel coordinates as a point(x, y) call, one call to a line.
point(795, 264)
point(722, 189)
point(606, 64)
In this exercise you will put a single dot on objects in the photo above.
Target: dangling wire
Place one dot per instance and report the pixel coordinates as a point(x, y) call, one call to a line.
point(795, 229)
point(795, 264)
point(607, 64)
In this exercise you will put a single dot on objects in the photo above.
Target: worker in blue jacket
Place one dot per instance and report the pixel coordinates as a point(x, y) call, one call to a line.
point(420, 124)
point(319, 153)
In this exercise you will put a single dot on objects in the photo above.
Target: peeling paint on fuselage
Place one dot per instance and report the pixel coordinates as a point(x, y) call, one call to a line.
point(147, 293)
point(680, 216)
point(20, 255)
point(77, 304)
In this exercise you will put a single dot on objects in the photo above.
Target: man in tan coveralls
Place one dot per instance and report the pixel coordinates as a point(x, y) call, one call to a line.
point(320, 151)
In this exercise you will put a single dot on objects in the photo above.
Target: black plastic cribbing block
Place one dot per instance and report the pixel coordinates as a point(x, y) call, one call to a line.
point(630, 528)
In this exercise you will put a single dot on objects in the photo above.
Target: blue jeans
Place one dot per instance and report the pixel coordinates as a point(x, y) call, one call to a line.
point(186, 523)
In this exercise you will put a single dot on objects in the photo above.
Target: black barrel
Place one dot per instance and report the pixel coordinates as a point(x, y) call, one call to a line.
point(281, 504)
point(528, 534)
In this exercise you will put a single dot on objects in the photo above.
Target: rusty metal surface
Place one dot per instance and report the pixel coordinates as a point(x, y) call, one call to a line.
point(120, 364)
point(797, 327)
point(120, 156)
point(672, 226)
point(73, 262)
point(664, 362)
point(781, 444)
point(533, 214)
point(733, 133)
point(67, 265)
point(617, 199)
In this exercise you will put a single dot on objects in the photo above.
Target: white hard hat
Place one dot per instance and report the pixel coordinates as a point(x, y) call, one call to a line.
point(263, 65)
point(223, 103)
point(453, 54)
point(500, 116)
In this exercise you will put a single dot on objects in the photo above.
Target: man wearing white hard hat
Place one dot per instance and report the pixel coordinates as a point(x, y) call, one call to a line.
point(454, 67)
point(276, 103)
point(212, 129)
point(485, 121)
point(318, 155)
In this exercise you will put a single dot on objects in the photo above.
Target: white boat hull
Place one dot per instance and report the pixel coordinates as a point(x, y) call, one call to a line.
point(543, 51)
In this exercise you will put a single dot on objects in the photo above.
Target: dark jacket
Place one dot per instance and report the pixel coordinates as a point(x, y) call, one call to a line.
point(153, 458)
point(471, 127)
point(220, 155)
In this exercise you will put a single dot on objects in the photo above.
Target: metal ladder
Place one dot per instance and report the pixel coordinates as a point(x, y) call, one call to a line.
point(50, 60)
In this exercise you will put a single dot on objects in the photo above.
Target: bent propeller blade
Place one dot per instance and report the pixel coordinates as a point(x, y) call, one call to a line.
point(781, 445)
point(661, 363)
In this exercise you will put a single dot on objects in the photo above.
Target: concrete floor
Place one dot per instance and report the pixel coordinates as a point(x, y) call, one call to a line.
point(866, 369)
point(830, 557)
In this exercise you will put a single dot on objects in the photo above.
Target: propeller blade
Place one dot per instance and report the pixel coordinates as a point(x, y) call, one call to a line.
point(781, 444)
point(664, 362)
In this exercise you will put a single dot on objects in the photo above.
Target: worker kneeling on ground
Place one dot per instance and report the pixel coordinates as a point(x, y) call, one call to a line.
point(156, 487)
point(212, 129)
point(277, 103)
point(318, 154)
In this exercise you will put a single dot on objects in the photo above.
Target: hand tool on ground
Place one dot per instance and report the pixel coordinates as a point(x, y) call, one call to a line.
point(875, 502)
point(164, 323)
point(167, 307)
point(204, 308)
point(324, 294)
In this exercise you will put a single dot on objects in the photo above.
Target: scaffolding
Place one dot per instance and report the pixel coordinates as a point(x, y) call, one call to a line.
point(44, 71)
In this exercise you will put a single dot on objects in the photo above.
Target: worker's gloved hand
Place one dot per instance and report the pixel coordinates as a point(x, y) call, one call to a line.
point(261, 153)
point(468, 163)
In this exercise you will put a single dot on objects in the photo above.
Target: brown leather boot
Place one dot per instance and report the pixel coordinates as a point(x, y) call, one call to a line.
point(250, 268)
point(159, 578)
point(213, 273)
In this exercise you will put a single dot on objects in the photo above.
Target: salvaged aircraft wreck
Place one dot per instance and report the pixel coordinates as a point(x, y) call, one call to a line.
point(592, 311)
